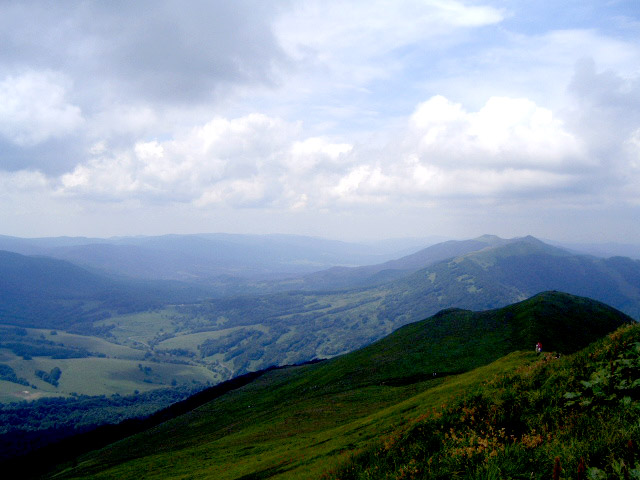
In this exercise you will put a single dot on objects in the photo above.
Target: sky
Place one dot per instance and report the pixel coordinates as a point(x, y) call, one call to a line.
point(342, 119)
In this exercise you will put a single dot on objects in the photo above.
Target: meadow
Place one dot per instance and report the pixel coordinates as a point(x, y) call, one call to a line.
point(329, 418)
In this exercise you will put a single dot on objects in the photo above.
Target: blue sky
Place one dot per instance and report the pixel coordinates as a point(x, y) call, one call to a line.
point(350, 120)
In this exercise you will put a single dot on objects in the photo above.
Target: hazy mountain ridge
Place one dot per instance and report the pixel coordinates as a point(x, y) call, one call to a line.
point(338, 278)
point(202, 257)
point(230, 263)
point(45, 292)
point(604, 249)
point(294, 422)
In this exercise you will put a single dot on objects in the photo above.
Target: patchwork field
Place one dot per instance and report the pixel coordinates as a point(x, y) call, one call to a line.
point(100, 367)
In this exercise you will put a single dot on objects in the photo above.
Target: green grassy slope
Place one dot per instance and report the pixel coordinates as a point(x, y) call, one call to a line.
point(511, 272)
point(296, 422)
point(457, 340)
point(570, 418)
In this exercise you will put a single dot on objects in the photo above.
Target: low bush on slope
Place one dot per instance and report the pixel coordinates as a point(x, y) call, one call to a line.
point(574, 417)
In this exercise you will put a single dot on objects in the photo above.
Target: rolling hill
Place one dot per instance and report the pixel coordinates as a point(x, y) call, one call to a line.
point(298, 422)
point(44, 292)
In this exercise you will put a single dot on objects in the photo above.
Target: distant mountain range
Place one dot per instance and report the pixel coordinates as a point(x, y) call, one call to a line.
point(498, 272)
point(335, 310)
point(604, 250)
point(486, 272)
point(232, 263)
point(203, 257)
point(338, 278)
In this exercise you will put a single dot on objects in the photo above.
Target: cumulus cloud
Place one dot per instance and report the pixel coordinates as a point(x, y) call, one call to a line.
point(34, 107)
point(254, 160)
point(505, 132)
point(606, 114)
point(508, 147)
point(317, 153)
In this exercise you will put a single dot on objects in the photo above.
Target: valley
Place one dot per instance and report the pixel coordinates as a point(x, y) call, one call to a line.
point(69, 335)
point(122, 331)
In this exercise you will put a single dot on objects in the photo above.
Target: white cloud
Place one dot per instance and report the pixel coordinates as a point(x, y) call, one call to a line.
point(23, 181)
point(507, 132)
point(245, 161)
point(34, 108)
point(510, 147)
point(313, 106)
point(333, 30)
point(317, 153)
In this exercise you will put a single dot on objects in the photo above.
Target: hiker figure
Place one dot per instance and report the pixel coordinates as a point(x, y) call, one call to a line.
point(538, 347)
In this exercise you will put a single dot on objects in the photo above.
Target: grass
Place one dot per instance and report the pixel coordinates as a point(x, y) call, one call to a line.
point(98, 376)
point(290, 439)
point(111, 368)
point(13, 392)
point(576, 416)
point(92, 344)
point(299, 422)
point(140, 328)
point(191, 341)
